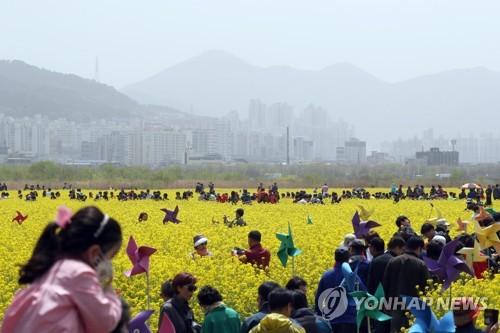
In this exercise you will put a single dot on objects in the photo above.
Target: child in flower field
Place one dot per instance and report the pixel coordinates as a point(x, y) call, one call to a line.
point(64, 274)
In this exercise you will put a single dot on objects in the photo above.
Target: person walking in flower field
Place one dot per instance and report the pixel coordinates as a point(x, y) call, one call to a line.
point(70, 261)
point(218, 317)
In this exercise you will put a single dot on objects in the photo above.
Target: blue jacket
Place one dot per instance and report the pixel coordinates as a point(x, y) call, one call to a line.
point(363, 266)
point(331, 279)
point(255, 319)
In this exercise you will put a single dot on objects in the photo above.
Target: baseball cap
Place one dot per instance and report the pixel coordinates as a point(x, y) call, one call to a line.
point(442, 222)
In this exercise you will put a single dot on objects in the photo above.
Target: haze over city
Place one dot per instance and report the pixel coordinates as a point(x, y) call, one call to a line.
point(377, 71)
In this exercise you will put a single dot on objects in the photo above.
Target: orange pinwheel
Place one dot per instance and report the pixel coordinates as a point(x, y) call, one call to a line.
point(462, 225)
point(482, 214)
point(488, 237)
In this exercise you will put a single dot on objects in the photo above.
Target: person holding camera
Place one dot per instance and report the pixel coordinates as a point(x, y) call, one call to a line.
point(257, 254)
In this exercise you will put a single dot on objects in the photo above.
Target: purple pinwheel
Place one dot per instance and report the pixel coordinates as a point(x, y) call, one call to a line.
point(138, 323)
point(448, 266)
point(362, 229)
point(171, 216)
point(139, 257)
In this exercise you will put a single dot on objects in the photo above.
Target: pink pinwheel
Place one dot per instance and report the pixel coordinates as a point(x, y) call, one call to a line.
point(171, 216)
point(362, 229)
point(166, 325)
point(139, 257)
point(448, 266)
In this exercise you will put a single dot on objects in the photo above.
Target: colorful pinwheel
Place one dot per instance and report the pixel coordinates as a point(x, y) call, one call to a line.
point(139, 256)
point(166, 325)
point(482, 214)
point(19, 218)
point(426, 321)
point(462, 225)
point(287, 248)
point(138, 323)
point(351, 282)
point(369, 306)
point(362, 229)
point(433, 220)
point(448, 266)
point(365, 214)
point(472, 255)
point(488, 236)
point(171, 216)
point(350, 277)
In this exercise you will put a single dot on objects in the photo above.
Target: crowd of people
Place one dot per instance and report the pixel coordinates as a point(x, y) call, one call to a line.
point(271, 194)
point(68, 281)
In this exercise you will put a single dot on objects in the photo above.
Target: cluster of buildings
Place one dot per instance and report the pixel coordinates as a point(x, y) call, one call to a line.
point(272, 134)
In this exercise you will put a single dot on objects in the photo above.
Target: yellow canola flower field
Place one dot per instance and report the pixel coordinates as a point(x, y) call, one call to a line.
point(237, 282)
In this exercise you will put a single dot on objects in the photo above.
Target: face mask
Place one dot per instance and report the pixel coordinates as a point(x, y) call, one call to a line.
point(103, 267)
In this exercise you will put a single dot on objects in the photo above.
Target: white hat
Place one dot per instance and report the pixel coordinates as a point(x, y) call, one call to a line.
point(442, 222)
point(199, 239)
point(439, 239)
point(347, 239)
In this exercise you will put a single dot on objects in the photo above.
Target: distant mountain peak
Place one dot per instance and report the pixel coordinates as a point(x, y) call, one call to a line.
point(214, 58)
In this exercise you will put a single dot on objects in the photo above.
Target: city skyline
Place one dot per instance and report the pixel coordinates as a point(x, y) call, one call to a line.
point(161, 142)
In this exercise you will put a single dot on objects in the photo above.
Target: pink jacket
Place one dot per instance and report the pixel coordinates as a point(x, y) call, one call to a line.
point(68, 298)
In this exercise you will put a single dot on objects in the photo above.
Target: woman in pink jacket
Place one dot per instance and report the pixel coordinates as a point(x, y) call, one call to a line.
point(64, 275)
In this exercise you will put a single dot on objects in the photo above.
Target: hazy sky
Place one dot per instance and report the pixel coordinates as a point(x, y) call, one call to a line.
point(392, 39)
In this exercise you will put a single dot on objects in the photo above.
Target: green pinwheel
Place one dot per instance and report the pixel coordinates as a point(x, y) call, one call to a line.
point(369, 305)
point(287, 248)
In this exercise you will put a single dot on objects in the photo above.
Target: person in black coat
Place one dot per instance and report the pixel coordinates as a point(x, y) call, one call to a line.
point(177, 308)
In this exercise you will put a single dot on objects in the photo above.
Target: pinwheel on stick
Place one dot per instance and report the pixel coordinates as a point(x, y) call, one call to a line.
point(370, 306)
point(287, 248)
point(472, 255)
point(426, 321)
point(361, 229)
point(364, 213)
point(139, 256)
point(138, 323)
point(171, 215)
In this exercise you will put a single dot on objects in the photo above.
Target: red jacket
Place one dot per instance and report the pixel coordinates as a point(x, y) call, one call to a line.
point(258, 255)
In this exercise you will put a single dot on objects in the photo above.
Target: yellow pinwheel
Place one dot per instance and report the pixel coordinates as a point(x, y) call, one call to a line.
point(433, 220)
point(365, 214)
point(488, 237)
point(472, 255)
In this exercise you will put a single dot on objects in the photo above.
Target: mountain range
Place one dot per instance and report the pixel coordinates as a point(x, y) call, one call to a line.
point(26, 90)
point(213, 83)
point(216, 82)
